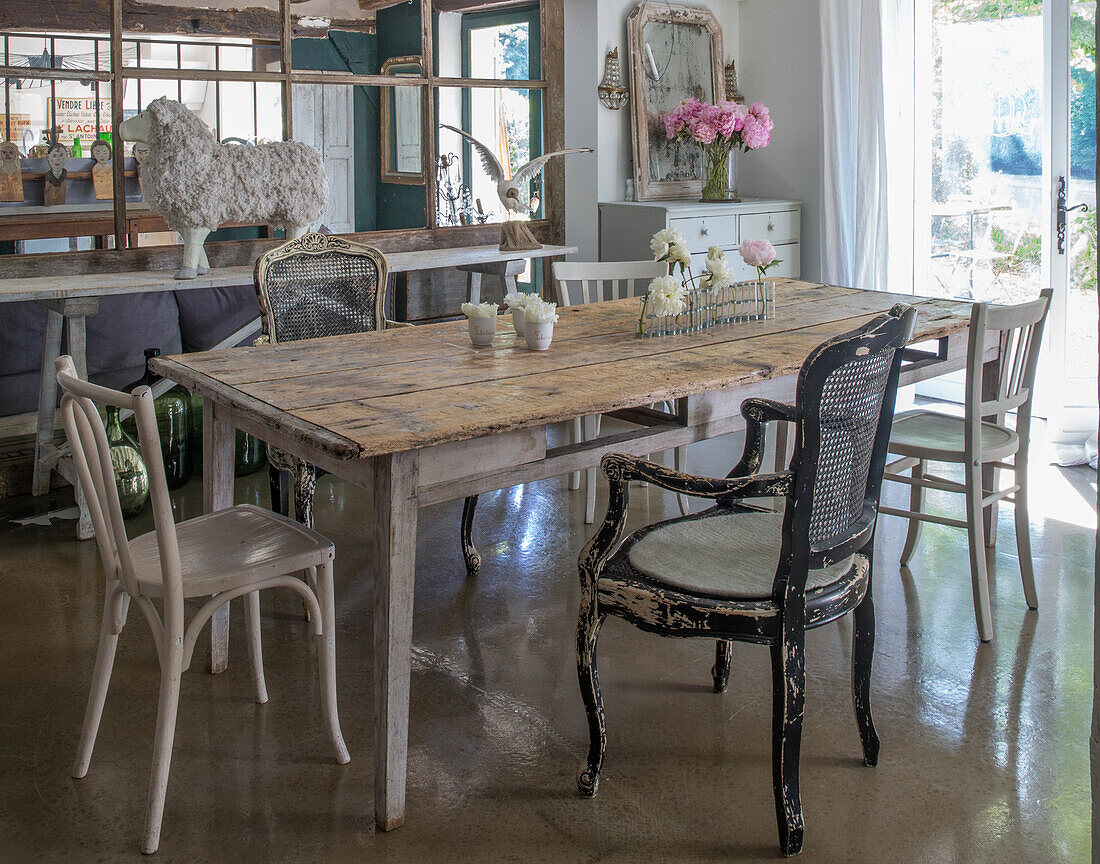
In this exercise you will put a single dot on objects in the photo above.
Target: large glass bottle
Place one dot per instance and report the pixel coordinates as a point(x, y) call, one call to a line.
point(249, 453)
point(173, 411)
point(131, 475)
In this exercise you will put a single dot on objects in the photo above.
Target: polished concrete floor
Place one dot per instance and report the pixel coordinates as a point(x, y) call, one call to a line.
point(984, 747)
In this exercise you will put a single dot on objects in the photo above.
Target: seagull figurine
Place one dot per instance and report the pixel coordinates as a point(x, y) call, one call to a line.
point(508, 188)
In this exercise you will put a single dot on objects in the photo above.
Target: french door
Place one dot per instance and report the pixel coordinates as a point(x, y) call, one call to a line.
point(1008, 91)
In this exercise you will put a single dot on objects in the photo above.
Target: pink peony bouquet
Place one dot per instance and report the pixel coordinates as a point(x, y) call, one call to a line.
point(719, 130)
point(729, 124)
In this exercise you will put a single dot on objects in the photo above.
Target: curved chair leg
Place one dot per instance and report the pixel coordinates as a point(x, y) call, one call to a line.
point(788, 701)
point(863, 655)
point(327, 652)
point(723, 658)
point(1023, 534)
point(588, 630)
point(170, 675)
point(975, 534)
point(591, 432)
point(576, 436)
point(916, 505)
point(255, 645)
point(101, 679)
point(280, 491)
point(305, 486)
point(470, 555)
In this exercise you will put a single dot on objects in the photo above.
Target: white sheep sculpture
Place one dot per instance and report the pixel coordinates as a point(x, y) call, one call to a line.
point(198, 184)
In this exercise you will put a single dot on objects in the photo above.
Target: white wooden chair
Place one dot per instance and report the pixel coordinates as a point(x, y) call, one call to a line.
point(230, 553)
point(592, 282)
point(978, 440)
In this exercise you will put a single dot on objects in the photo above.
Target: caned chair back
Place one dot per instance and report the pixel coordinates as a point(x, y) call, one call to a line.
point(320, 285)
point(88, 441)
point(844, 410)
point(1020, 330)
point(591, 282)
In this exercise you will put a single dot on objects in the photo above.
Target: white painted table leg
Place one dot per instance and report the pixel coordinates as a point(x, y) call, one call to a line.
point(76, 337)
point(218, 439)
point(395, 506)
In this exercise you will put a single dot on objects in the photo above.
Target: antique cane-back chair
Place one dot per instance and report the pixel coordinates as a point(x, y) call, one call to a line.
point(321, 285)
point(736, 572)
point(230, 553)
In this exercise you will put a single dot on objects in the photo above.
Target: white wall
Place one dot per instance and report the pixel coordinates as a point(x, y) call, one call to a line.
point(592, 28)
point(779, 64)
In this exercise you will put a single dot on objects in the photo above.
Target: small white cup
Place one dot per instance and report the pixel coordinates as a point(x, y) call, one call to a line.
point(538, 334)
point(482, 330)
point(517, 321)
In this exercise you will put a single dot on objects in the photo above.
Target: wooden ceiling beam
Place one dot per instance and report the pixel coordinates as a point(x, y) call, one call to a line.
point(137, 17)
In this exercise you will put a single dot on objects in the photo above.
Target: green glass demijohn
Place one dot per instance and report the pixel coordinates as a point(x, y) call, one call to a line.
point(249, 453)
point(131, 475)
point(174, 425)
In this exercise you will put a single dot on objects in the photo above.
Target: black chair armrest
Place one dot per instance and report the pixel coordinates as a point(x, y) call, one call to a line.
point(621, 468)
point(766, 410)
point(758, 413)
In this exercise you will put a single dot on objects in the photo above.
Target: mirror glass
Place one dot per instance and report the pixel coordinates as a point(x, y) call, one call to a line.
point(677, 65)
point(401, 120)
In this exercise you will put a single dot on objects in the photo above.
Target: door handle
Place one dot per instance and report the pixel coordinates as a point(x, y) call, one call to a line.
point(1062, 211)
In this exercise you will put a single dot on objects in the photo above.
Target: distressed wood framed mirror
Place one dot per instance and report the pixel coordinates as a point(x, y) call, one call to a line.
point(402, 160)
point(675, 54)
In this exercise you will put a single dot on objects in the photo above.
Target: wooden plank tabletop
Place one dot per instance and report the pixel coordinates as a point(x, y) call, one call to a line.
point(408, 388)
point(104, 284)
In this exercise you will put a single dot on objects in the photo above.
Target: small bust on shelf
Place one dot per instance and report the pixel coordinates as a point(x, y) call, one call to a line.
point(103, 180)
point(11, 173)
point(56, 176)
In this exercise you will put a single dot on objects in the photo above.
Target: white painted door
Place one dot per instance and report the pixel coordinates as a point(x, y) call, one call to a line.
point(324, 119)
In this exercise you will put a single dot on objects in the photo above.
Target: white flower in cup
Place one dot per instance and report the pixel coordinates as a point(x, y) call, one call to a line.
point(519, 301)
point(480, 310)
point(539, 311)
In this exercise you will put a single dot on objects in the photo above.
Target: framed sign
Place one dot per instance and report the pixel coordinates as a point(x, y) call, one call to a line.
point(675, 54)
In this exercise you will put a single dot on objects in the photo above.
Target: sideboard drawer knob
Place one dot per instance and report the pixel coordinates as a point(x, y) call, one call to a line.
point(771, 225)
point(704, 230)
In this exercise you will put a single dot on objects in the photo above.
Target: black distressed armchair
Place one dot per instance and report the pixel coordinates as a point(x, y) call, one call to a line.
point(738, 572)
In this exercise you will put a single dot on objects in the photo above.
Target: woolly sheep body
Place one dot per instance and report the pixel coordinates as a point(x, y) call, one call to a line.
point(195, 182)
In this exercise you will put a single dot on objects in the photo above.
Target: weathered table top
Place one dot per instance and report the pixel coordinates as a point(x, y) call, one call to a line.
point(409, 388)
point(139, 282)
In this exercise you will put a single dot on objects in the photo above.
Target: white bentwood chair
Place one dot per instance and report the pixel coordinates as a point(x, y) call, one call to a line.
point(921, 436)
point(222, 555)
point(579, 282)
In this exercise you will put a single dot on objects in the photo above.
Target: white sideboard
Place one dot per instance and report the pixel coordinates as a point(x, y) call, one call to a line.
point(627, 226)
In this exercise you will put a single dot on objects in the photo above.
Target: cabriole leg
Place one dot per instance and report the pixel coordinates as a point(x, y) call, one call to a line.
point(863, 653)
point(588, 629)
point(788, 702)
point(470, 555)
point(723, 658)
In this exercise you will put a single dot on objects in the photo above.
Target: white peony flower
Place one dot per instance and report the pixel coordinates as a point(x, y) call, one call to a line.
point(665, 296)
point(664, 240)
point(539, 311)
point(718, 274)
point(715, 252)
point(678, 254)
point(480, 310)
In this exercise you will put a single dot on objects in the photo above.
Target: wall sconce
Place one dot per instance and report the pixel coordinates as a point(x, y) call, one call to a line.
point(732, 93)
point(611, 91)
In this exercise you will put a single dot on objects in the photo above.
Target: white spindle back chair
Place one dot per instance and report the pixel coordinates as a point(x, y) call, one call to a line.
point(979, 440)
point(230, 553)
point(578, 282)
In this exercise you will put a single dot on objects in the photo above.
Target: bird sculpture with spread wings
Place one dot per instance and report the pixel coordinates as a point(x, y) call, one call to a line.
point(514, 236)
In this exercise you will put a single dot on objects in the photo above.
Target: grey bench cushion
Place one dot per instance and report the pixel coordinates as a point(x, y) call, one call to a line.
point(728, 556)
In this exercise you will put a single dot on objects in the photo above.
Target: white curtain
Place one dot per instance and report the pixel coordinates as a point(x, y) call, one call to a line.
point(867, 79)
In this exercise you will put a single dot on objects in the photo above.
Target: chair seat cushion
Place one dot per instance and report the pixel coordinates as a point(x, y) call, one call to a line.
point(931, 435)
point(731, 556)
point(230, 548)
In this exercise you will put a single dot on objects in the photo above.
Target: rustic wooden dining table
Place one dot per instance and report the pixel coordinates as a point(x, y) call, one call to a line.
point(418, 416)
